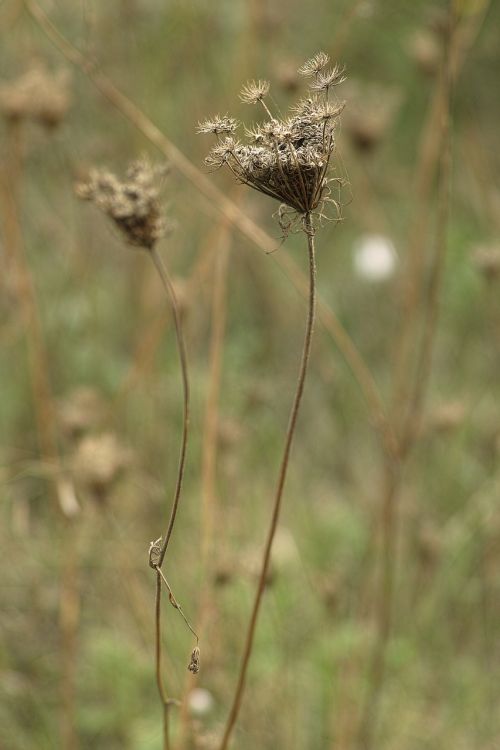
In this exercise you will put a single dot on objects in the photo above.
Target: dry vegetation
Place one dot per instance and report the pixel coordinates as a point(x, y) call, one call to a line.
point(373, 574)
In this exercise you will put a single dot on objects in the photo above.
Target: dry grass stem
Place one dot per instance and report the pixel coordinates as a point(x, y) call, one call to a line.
point(408, 426)
point(61, 487)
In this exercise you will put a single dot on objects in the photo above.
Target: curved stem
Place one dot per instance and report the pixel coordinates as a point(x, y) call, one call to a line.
point(238, 696)
point(167, 283)
point(169, 288)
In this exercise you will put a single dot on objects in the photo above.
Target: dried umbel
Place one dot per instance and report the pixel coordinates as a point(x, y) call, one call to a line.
point(132, 203)
point(286, 158)
point(37, 95)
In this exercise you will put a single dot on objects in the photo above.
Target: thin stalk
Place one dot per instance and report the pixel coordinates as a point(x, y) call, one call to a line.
point(410, 421)
point(240, 687)
point(209, 454)
point(388, 534)
point(69, 619)
point(170, 291)
point(38, 357)
point(209, 457)
point(169, 288)
point(60, 488)
point(159, 678)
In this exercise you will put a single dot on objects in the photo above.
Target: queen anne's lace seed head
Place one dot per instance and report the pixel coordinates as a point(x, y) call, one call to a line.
point(328, 78)
point(314, 65)
point(254, 91)
point(218, 125)
point(285, 158)
point(133, 203)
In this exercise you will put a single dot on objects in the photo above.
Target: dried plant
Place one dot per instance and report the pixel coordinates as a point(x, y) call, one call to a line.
point(133, 204)
point(287, 159)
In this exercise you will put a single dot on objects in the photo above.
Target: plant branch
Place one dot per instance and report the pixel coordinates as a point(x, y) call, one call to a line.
point(240, 687)
point(169, 288)
point(159, 678)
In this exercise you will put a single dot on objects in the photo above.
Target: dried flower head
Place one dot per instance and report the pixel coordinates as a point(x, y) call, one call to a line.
point(218, 125)
point(328, 78)
point(37, 95)
point(286, 158)
point(314, 65)
point(254, 91)
point(133, 203)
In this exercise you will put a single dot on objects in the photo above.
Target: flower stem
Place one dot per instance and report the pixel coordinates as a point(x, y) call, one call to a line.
point(159, 678)
point(169, 288)
point(238, 696)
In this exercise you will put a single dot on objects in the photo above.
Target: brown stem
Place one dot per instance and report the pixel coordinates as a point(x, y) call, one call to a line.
point(69, 617)
point(38, 357)
point(169, 288)
point(424, 361)
point(209, 458)
point(170, 291)
point(159, 678)
point(410, 421)
point(430, 156)
point(209, 453)
point(60, 488)
point(240, 687)
point(385, 596)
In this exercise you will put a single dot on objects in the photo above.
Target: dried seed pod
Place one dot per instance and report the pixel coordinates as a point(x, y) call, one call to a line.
point(285, 158)
point(133, 204)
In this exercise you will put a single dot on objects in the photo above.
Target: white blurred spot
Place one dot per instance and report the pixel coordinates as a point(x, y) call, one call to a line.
point(200, 702)
point(374, 257)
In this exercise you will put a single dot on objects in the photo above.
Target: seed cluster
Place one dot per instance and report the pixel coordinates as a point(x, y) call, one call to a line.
point(285, 158)
point(133, 203)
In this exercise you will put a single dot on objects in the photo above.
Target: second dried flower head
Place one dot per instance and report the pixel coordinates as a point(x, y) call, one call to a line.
point(133, 203)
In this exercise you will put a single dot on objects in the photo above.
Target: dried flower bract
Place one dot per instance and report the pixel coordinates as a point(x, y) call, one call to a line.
point(133, 203)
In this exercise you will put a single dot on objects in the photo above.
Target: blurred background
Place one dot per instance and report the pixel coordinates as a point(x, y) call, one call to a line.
point(380, 623)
